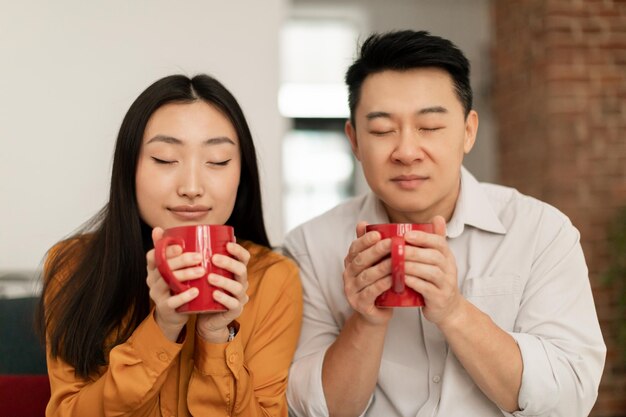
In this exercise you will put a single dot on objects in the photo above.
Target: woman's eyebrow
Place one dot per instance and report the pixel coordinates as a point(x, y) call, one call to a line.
point(165, 139)
point(219, 140)
point(175, 141)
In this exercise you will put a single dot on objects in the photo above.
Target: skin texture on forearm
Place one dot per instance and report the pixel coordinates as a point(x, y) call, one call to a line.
point(351, 366)
point(489, 354)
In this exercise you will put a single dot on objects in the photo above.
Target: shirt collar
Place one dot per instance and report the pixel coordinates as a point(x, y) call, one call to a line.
point(373, 211)
point(472, 208)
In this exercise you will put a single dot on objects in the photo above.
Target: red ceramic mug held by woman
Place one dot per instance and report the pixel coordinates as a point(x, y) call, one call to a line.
point(399, 295)
point(207, 239)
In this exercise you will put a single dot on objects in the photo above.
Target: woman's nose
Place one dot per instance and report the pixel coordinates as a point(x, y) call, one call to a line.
point(190, 182)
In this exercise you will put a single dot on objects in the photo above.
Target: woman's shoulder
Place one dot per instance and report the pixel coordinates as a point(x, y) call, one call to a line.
point(269, 268)
point(262, 258)
point(273, 277)
point(63, 257)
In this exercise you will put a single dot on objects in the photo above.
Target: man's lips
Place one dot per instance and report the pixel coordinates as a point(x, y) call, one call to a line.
point(189, 212)
point(409, 182)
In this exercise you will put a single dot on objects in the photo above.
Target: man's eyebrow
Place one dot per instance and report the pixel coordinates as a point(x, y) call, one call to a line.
point(426, 110)
point(377, 114)
point(433, 109)
point(175, 141)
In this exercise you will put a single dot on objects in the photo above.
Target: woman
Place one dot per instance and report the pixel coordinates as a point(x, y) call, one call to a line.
point(115, 344)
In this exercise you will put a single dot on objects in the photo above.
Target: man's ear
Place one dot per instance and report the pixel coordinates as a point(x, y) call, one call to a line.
point(471, 129)
point(351, 134)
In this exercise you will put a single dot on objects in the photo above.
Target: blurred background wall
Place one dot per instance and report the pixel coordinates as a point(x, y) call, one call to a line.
point(549, 78)
point(559, 95)
point(70, 70)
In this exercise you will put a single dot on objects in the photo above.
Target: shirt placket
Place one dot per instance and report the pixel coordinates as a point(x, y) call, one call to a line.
point(436, 350)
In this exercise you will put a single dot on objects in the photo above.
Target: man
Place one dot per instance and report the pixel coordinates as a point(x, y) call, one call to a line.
point(509, 325)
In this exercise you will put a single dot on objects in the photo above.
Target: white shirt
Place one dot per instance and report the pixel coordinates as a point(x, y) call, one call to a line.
point(519, 260)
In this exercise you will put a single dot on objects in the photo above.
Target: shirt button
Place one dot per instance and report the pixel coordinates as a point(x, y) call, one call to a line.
point(232, 358)
point(163, 357)
point(436, 379)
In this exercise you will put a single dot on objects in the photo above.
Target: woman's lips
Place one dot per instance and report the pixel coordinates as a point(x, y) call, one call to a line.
point(189, 212)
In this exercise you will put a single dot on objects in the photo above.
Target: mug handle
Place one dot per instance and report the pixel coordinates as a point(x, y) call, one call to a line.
point(397, 264)
point(161, 262)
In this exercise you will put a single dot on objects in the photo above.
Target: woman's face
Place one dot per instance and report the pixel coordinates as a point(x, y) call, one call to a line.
point(189, 166)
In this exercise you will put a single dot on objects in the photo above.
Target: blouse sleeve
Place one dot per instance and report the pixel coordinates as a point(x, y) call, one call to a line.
point(251, 380)
point(128, 387)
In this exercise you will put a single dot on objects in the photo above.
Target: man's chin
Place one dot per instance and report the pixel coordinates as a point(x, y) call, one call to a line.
point(403, 211)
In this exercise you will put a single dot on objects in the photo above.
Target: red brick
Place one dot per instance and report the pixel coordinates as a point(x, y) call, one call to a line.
point(559, 86)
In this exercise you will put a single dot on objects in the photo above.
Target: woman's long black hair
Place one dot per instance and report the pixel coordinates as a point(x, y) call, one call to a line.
point(95, 282)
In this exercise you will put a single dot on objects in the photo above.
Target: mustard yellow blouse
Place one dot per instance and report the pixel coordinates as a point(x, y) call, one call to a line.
point(150, 376)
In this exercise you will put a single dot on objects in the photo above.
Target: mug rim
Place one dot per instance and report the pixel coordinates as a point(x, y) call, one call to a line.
point(191, 226)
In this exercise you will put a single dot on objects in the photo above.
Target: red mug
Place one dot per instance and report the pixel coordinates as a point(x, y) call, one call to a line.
point(399, 295)
point(207, 239)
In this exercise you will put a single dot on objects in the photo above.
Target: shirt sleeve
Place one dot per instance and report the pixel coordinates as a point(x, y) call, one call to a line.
point(251, 380)
point(305, 392)
point(558, 332)
point(128, 387)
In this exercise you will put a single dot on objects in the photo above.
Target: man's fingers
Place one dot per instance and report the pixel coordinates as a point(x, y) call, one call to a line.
point(439, 224)
point(360, 228)
point(370, 275)
point(370, 256)
point(360, 244)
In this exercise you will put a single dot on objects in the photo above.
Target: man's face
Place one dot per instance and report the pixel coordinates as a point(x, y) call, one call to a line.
point(411, 135)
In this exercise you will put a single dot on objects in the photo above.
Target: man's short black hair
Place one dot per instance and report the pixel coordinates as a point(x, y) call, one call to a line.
point(406, 50)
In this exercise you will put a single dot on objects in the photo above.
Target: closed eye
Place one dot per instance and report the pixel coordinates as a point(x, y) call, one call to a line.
point(220, 163)
point(430, 129)
point(381, 132)
point(162, 161)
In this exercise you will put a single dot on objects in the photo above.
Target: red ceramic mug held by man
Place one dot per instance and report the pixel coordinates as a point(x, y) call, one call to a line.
point(399, 295)
point(207, 240)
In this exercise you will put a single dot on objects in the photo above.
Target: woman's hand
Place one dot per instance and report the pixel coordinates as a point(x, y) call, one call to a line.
point(185, 267)
point(213, 327)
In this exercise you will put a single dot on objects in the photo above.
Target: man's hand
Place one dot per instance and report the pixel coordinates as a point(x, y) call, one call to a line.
point(364, 278)
point(430, 269)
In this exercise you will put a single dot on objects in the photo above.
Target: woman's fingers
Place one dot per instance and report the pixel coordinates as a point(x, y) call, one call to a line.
point(231, 303)
point(239, 252)
point(178, 300)
point(232, 286)
point(237, 267)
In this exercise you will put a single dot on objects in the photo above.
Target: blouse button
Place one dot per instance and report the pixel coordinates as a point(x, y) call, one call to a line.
point(436, 379)
point(163, 357)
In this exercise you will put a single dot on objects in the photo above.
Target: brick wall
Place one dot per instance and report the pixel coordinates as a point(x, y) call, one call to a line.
point(559, 95)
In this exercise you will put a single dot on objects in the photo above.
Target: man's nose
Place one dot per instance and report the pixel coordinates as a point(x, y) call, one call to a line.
point(409, 147)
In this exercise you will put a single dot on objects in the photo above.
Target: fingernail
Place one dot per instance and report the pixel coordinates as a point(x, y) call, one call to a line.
point(194, 292)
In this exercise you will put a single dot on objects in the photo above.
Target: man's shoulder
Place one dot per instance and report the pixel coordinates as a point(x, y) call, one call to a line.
point(330, 225)
point(509, 204)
